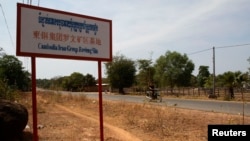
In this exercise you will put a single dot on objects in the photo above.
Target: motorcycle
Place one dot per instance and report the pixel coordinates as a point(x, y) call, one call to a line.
point(153, 96)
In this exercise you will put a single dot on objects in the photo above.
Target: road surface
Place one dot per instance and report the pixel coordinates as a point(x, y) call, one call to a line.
point(230, 107)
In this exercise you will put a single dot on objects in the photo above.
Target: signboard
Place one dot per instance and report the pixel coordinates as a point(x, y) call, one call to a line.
point(43, 32)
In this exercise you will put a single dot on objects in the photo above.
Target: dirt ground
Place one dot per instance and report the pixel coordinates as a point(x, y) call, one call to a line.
point(76, 118)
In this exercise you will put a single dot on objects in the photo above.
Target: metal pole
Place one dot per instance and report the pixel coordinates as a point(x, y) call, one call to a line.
point(213, 71)
point(100, 100)
point(34, 102)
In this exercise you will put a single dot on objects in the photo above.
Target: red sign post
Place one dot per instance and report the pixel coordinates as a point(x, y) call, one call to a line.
point(49, 33)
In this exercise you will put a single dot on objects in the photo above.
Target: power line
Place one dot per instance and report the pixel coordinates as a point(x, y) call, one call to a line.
point(233, 46)
point(220, 47)
point(25, 59)
point(7, 27)
point(199, 51)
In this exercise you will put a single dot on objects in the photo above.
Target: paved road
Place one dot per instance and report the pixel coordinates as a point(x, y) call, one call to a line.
point(206, 105)
point(230, 107)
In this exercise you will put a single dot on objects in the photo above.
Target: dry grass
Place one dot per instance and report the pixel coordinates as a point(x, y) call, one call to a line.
point(69, 117)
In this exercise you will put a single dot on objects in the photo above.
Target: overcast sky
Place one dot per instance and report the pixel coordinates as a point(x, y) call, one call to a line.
point(146, 29)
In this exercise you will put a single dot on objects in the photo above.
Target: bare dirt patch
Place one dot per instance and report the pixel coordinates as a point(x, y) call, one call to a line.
point(69, 117)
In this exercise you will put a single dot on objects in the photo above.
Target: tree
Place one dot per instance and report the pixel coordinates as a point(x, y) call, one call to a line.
point(230, 80)
point(56, 83)
point(43, 83)
point(193, 81)
point(120, 72)
point(76, 81)
point(12, 72)
point(89, 80)
point(247, 83)
point(146, 72)
point(66, 83)
point(202, 75)
point(174, 69)
point(241, 79)
point(209, 82)
point(226, 79)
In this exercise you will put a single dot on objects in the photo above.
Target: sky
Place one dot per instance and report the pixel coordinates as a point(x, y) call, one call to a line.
point(147, 29)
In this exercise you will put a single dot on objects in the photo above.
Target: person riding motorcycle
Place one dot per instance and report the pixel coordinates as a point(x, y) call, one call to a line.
point(152, 89)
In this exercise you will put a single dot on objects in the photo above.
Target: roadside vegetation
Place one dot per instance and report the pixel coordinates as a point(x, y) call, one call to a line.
point(76, 117)
point(171, 71)
point(13, 78)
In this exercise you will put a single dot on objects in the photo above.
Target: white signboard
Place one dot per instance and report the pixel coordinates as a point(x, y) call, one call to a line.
point(49, 33)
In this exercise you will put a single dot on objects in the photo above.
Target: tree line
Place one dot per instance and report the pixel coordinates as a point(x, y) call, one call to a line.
point(75, 82)
point(170, 70)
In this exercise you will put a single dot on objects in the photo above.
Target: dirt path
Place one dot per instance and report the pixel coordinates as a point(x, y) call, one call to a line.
point(74, 118)
point(119, 133)
point(69, 121)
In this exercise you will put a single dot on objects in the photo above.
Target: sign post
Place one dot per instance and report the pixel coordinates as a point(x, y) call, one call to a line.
point(34, 100)
point(100, 100)
point(49, 33)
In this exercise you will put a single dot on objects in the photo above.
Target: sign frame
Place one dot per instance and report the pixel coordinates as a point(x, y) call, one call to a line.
point(86, 52)
point(24, 50)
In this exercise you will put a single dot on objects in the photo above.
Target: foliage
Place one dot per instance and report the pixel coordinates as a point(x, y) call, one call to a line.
point(209, 82)
point(146, 72)
point(193, 81)
point(240, 79)
point(13, 74)
point(89, 80)
point(121, 72)
point(203, 75)
point(56, 83)
point(12, 77)
point(171, 69)
point(43, 83)
point(75, 82)
point(174, 69)
point(7, 93)
point(226, 79)
point(247, 82)
point(243, 80)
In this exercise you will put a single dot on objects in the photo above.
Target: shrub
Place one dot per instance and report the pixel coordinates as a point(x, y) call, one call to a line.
point(8, 93)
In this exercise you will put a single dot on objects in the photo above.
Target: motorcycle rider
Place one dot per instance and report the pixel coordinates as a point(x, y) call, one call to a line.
point(152, 89)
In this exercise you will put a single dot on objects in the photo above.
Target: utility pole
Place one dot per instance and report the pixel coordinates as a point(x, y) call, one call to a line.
point(213, 71)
